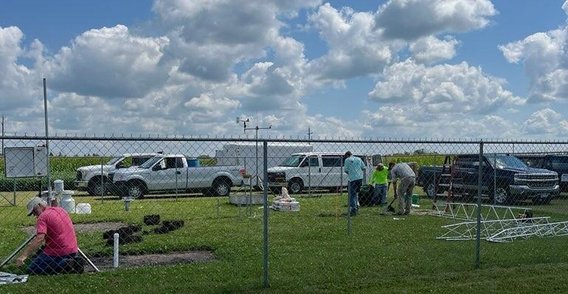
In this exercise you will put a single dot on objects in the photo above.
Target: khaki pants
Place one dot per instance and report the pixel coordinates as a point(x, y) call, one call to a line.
point(404, 192)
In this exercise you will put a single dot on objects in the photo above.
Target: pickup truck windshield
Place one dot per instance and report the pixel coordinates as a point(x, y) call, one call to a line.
point(150, 162)
point(293, 160)
point(504, 161)
point(114, 160)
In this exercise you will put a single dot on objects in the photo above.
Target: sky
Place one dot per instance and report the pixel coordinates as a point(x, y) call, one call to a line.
point(396, 69)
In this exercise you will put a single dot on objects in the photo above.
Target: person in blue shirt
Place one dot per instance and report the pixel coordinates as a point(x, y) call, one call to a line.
point(354, 168)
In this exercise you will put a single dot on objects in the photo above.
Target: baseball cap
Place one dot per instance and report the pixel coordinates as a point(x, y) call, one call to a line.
point(33, 203)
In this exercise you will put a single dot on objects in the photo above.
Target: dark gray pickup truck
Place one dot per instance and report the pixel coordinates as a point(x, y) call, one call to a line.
point(554, 162)
point(504, 179)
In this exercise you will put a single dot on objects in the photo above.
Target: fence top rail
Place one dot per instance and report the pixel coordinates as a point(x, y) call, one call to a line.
point(271, 140)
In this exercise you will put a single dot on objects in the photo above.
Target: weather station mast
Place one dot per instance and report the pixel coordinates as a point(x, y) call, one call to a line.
point(256, 129)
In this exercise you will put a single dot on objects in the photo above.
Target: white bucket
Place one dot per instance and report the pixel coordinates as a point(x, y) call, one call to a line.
point(83, 208)
point(58, 186)
point(67, 202)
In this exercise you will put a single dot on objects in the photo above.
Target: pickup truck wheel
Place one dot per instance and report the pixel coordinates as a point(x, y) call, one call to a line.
point(135, 190)
point(501, 196)
point(430, 190)
point(295, 186)
point(96, 187)
point(222, 187)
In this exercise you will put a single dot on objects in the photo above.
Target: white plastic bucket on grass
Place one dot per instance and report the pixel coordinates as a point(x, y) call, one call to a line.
point(83, 208)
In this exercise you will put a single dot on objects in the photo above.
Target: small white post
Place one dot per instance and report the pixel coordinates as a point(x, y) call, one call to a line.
point(115, 254)
point(127, 201)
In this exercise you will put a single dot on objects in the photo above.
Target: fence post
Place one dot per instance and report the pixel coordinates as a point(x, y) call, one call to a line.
point(265, 217)
point(47, 140)
point(102, 182)
point(479, 182)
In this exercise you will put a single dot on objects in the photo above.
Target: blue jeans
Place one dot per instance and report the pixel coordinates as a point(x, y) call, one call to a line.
point(380, 193)
point(353, 191)
point(43, 264)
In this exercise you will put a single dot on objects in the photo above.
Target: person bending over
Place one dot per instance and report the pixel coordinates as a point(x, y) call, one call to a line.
point(55, 230)
point(403, 175)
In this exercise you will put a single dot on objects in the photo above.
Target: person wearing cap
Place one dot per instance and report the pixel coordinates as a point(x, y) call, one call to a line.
point(354, 168)
point(403, 173)
point(379, 179)
point(54, 229)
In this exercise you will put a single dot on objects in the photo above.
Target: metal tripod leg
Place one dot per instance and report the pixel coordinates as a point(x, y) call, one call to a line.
point(88, 260)
point(17, 250)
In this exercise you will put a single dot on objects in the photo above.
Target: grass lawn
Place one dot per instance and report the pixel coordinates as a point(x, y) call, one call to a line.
point(310, 251)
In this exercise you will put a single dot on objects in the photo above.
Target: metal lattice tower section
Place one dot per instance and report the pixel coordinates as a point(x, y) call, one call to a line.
point(468, 211)
point(490, 228)
point(526, 231)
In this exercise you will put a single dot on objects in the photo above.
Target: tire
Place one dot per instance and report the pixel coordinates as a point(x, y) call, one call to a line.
point(221, 187)
point(259, 184)
point(430, 190)
point(502, 196)
point(295, 186)
point(334, 190)
point(96, 187)
point(136, 190)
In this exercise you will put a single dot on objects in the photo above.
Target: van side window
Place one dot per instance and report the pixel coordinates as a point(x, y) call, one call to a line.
point(313, 161)
point(331, 161)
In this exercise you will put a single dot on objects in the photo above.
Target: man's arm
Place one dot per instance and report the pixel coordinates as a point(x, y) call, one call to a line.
point(34, 245)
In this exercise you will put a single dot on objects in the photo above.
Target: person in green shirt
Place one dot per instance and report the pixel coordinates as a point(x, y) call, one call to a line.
point(379, 179)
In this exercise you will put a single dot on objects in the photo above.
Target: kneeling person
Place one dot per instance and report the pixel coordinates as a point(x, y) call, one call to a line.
point(54, 229)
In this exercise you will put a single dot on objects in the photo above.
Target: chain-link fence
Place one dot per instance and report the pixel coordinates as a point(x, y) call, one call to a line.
point(152, 201)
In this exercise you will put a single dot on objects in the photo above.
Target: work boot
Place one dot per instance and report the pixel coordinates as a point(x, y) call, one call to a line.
point(74, 265)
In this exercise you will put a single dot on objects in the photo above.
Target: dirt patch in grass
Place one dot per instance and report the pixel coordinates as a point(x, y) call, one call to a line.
point(105, 263)
point(128, 261)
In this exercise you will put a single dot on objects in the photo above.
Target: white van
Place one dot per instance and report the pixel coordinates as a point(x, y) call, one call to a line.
point(251, 155)
point(312, 170)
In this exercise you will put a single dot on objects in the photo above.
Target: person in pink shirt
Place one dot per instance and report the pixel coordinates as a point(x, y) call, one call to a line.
point(55, 230)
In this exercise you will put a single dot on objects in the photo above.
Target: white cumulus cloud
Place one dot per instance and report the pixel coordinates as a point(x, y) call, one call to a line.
point(412, 19)
point(355, 49)
point(109, 62)
point(544, 57)
point(542, 122)
point(456, 88)
point(430, 49)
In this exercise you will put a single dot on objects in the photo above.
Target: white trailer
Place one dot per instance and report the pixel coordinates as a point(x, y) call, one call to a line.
point(251, 156)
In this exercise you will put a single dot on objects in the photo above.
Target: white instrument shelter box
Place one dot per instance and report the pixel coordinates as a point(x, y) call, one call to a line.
point(24, 162)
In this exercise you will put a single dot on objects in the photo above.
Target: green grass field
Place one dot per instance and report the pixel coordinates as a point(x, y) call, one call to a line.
point(310, 251)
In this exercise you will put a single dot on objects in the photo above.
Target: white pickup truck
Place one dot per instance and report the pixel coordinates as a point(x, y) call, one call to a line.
point(94, 178)
point(166, 173)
